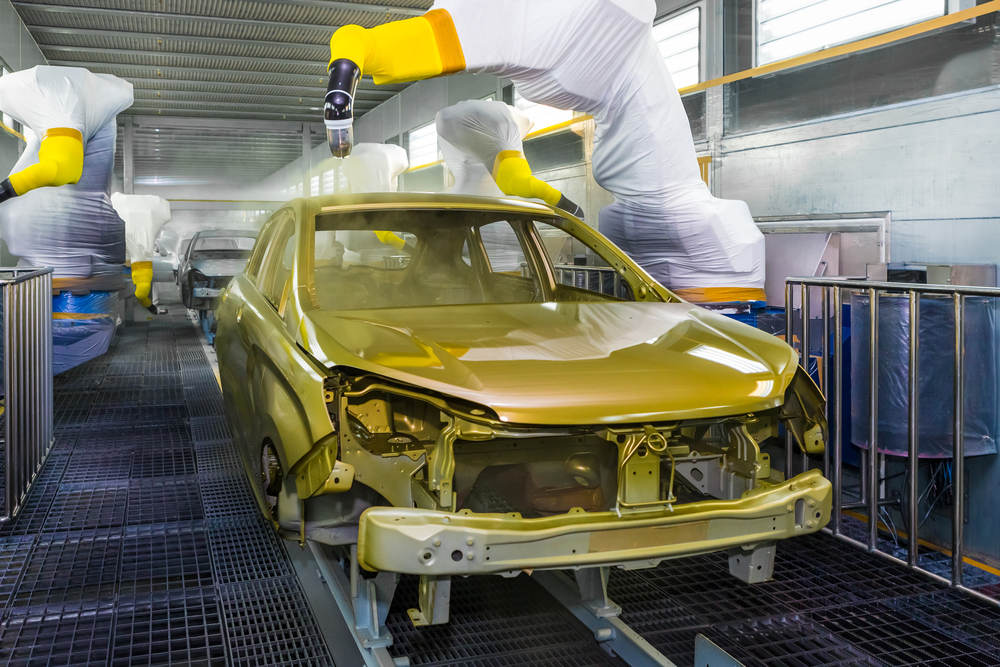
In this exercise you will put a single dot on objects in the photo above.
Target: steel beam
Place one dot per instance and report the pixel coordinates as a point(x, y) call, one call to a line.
point(263, 126)
point(36, 30)
point(128, 155)
point(319, 64)
point(312, 78)
point(236, 98)
point(376, 93)
point(164, 16)
point(159, 101)
point(352, 6)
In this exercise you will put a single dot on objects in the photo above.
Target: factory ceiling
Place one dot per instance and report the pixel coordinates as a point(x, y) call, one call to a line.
point(242, 60)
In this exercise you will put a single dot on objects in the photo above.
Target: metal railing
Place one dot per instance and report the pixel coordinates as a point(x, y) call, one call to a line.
point(601, 279)
point(831, 371)
point(26, 300)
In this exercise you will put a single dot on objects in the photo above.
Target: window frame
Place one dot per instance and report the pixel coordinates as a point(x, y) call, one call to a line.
point(948, 7)
point(271, 256)
point(702, 6)
point(252, 268)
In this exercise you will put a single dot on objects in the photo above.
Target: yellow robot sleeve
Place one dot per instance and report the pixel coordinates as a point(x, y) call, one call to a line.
point(513, 176)
point(60, 161)
point(389, 238)
point(410, 50)
point(142, 278)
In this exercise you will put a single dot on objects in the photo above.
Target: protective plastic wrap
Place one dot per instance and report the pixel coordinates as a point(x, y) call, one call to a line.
point(599, 57)
point(45, 97)
point(72, 228)
point(375, 167)
point(935, 387)
point(472, 134)
point(143, 216)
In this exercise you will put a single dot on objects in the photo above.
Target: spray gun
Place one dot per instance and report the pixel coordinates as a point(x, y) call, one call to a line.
point(338, 107)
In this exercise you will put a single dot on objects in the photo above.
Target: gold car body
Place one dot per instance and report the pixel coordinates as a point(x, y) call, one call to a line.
point(380, 425)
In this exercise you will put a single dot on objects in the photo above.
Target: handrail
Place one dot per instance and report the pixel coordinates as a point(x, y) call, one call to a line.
point(831, 292)
point(26, 299)
point(814, 57)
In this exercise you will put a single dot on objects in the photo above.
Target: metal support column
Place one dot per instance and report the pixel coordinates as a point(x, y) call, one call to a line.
point(913, 430)
point(958, 455)
point(128, 157)
point(872, 461)
point(306, 160)
point(838, 408)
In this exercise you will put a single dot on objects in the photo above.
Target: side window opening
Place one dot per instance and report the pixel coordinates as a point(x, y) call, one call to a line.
point(578, 269)
point(276, 272)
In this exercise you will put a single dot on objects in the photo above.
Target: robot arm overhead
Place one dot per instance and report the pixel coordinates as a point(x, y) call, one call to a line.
point(60, 161)
point(410, 50)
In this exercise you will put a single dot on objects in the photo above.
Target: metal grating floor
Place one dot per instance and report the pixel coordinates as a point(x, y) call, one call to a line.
point(141, 543)
point(828, 604)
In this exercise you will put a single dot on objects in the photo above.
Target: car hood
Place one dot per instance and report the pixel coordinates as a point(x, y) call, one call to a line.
point(565, 363)
point(218, 267)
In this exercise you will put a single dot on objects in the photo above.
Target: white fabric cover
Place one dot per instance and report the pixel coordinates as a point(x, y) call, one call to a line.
point(143, 216)
point(44, 97)
point(72, 228)
point(471, 134)
point(375, 167)
point(599, 57)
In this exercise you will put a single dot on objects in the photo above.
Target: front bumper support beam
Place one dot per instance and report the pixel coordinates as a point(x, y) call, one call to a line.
point(428, 542)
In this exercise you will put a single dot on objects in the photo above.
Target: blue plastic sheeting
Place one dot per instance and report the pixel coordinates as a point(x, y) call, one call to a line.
point(95, 302)
point(77, 341)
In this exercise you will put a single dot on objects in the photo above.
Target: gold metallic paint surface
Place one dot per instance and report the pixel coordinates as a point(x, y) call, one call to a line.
point(566, 363)
point(658, 359)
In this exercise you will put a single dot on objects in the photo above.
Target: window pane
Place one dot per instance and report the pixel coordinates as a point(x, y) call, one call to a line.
point(541, 115)
point(679, 40)
point(329, 182)
point(314, 186)
point(276, 277)
point(787, 28)
point(503, 248)
point(423, 145)
point(579, 267)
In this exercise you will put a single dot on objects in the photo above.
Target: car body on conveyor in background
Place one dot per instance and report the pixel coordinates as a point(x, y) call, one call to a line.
point(209, 262)
point(407, 371)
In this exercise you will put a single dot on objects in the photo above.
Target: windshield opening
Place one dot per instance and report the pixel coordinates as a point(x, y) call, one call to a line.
point(416, 258)
point(222, 247)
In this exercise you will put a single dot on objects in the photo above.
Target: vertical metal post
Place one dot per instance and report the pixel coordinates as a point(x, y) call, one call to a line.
point(913, 429)
point(9, 471)
point(873, 485)
point(306, 155)
point(958, 455)
point(128, 156)
point(790, 339)
point(804, 311)
point(838, 408)
point(827, 367)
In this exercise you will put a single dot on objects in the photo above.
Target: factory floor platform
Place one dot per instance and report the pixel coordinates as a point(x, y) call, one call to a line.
point(141, 544)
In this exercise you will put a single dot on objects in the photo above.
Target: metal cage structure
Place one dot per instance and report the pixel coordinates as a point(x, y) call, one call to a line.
point(26, 300)
point(873, 491)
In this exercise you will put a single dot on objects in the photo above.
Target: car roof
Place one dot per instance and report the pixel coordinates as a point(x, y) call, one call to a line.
point(225, 233)
point(330, 203)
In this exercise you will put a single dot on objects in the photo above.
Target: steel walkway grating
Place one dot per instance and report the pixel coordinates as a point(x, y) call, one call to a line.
point(494, 621)
point(165, 557)
point(112, 560)
point(70, 567)
point(245, 549)
point(70, 634)
point(268, 623)
point(829, 604)
point(169, 628)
